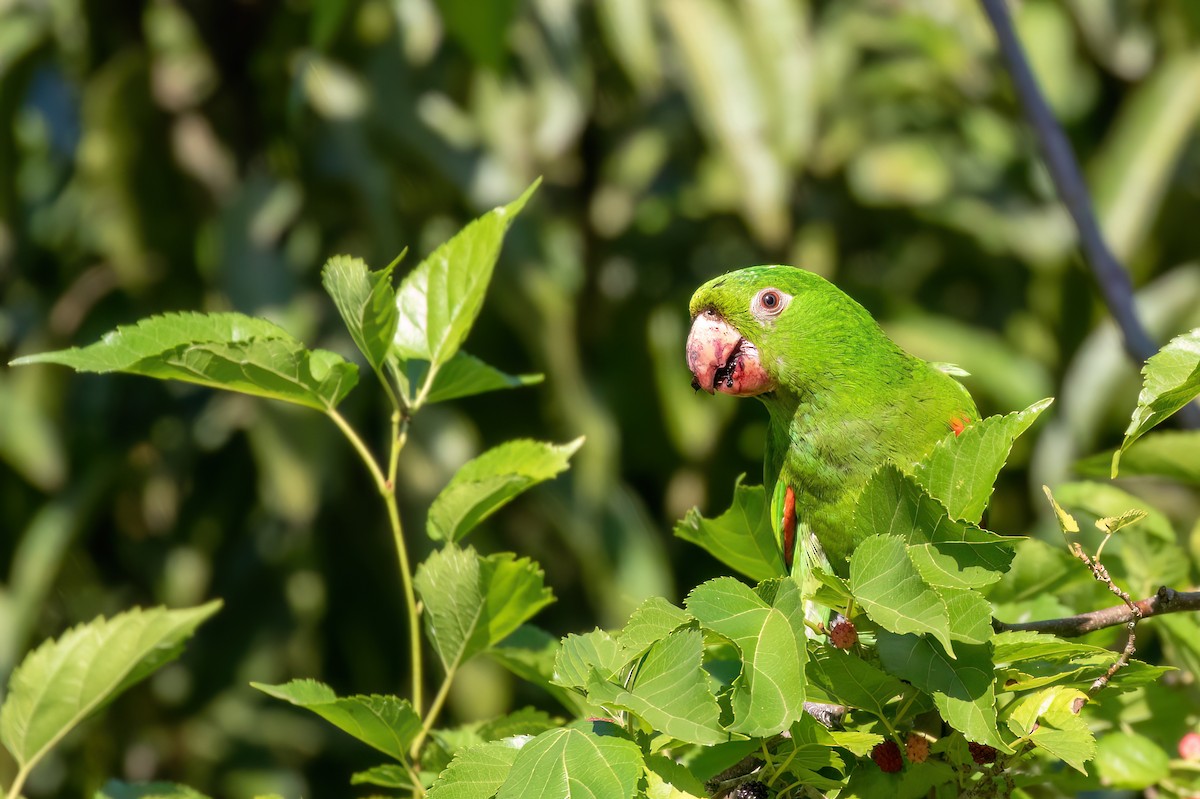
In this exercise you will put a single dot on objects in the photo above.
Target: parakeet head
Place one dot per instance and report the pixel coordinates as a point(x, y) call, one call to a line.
point(756, 329)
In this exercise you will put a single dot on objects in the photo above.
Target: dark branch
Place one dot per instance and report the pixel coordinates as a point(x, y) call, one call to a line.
point(1110, 276)
point(1165, 600)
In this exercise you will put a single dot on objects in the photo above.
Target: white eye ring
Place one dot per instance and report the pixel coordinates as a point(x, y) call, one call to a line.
point(769, 303)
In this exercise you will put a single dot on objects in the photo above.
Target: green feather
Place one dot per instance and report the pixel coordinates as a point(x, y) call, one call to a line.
point(847, 400)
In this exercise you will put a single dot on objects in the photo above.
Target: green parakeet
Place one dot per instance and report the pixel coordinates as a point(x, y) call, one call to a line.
point(843, 399)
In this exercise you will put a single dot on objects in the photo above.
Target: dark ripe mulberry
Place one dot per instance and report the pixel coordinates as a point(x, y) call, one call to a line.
point(887, 756)
point(982, 753)
point(843, 634)
point(750, 790)
point(916, 748)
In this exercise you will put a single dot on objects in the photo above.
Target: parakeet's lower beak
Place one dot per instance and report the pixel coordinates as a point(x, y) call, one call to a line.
point(721, 360)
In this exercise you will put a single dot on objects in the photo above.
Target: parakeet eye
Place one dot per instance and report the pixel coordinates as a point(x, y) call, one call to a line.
point(769, 303)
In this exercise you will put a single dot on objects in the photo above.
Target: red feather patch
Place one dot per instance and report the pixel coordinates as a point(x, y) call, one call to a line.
point(789, 526)
point(959, 424)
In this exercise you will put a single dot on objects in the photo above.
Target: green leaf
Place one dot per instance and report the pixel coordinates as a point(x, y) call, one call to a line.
point(1171, 379)
point(465, 375)
point(526, 721)
point(768, 695)
point(116, 789)
point(489, 482)
point(1105, 500)
point(65, 680)
point(653, 621)
point(440, 299)
point(961, 470)
point(852, 681)
point(890, 589)
point(1049, 719)
point(222, 350)
point(666, 779)
point(570, 762)
point(1066, 522)
point(947, 551)
point(478, 772)
point(1174, 454)
point(741, 537)
point(387, 723)
point(970, 615)
point(1130, 761)
point(366, 302)
point(472, 602)
point(669, 691)
point(385, 776)
point(1018, 645)
point(963, 688)
point(581, 655)
point(1111, 524)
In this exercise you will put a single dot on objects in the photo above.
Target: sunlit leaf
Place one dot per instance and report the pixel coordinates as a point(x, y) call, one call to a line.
point(465, 376)
point(67, 679)
point(473, 602)
point(366, 302)
point(651, 622)
point(962, 688)
point(947, 551)
point(1066, 522)
point(890, 589)
point(489, 482)
point(741, 537)
point(669, 691)
point(852, 681)
point(666, 779)
point(478, 772)
point(572, 762)
point(221, 350)
point(385, 776)
point(1104, 500)
point(582, 655)
point(1051, 720)
point(769, 694)
point(387, 723)
point(961, 470)
point(440, 299)
point(1171, 379)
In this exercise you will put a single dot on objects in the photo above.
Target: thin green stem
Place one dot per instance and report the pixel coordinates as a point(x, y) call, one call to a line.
point(434, 709)
point(19, 781)
point(410, 601)
point(904, 710)
point(387, 489)
point(392, 396)
point(426, 386)
point(360, 448)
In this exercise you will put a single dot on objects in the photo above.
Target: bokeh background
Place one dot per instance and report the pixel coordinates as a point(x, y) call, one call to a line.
point(161, 155)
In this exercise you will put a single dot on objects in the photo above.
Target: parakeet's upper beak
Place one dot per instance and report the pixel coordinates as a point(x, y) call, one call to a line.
point(722, 360)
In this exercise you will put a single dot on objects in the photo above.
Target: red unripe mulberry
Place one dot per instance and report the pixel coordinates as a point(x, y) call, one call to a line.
point(887, 756)
point(843, 634)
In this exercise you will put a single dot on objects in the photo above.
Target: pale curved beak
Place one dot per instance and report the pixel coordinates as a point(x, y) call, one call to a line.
point(710, 344)
point(722, 360)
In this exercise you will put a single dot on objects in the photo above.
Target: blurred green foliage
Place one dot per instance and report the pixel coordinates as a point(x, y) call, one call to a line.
point(171, 155)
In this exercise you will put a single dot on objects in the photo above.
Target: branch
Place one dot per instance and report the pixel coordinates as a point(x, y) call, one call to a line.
point(1165, 600)
point(1110, 276)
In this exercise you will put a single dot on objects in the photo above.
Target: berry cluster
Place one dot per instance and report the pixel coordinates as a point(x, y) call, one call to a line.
point(887, 756)
point(843, 634)
point(982, 753)
point(750, 790)
point(916, 748)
